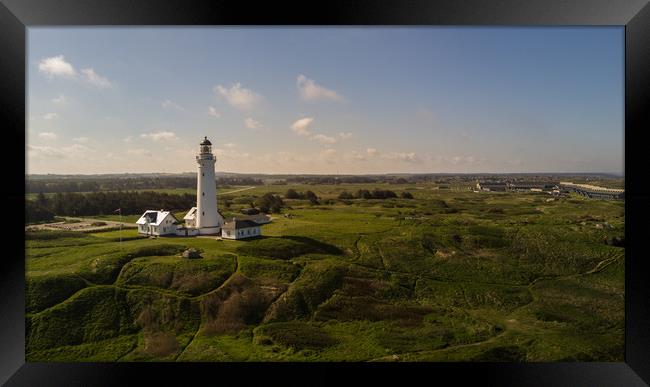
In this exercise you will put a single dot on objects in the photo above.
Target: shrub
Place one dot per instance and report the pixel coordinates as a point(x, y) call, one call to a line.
point(287, 247)
point(296, 335)
point(345, 195)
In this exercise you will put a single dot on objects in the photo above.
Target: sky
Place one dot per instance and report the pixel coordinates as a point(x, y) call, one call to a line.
point(326, 100)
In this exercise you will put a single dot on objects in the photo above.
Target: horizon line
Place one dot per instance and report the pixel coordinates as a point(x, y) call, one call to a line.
point(337, 174)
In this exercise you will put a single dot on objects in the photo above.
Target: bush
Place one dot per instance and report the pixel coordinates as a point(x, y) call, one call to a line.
point(296, 335)
point(406, 195)
point(345, 195)
point(36, 212)
point(292, 194)
point(270, 203)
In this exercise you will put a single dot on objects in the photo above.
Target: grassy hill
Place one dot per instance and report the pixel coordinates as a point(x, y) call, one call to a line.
point(450, 275)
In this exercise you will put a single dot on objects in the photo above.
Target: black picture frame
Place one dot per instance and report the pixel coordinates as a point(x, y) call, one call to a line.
point(17, 15)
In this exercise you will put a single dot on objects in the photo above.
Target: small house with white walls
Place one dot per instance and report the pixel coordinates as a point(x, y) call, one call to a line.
point(240, 229)
point(157, 223)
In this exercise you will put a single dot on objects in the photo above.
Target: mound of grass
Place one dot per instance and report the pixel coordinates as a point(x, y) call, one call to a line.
point(427, 338)
point(296, 335)
point(344, 308)
point(473, 295)
point(106, 350)
point(268, 270)
point(287, 247)
point(395, 288)
point(316, 283)
point(44, 235)
point(238, 303)
point(506, 353)
point(105, 269)
point(93, 314)
point(43, 291)
point(189, 277)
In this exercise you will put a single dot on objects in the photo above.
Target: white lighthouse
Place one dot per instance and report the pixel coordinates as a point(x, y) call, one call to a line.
point(208, 220)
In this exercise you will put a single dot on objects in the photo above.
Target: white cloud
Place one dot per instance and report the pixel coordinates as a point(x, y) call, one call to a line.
point(213, 112)
point(81, 139)
point(48, 152)
point(324, 139)
point(95, 79)
point(328, 154)
point(251, 123)
point(48, 135)
point(410, 157)
point(160, 136)
point(345, 136)
point(56, 66)
point(128, 139)
point(168, 104)
point(357, 156)
point(372, 152)
point(300, 127)
point(229, 145)
point(60, 100)
point(239, 97)
point(76, 149)
point(44, 152)
point(50, 116)
point(139, 152)
point(310, 90)
point(231, 154)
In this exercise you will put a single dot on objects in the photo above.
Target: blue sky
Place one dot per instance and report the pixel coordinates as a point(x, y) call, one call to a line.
point(326, 100)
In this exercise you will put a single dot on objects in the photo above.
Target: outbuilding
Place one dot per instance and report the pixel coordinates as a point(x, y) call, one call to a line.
point(240, 229)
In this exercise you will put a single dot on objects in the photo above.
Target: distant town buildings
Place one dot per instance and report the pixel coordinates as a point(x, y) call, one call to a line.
point(593, 191)
point(554, 188)
point(491, 186)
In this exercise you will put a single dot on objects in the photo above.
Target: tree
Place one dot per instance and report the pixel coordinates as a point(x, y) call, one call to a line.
point(345, 195)
point(313, 199)
point(406, 195)
point(41, 199)
point(270, 203)
point(364, 194)
point(292, 194)
point(35, 212)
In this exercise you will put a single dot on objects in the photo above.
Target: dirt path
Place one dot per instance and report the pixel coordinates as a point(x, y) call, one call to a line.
point(83, 225)
point(237, 190)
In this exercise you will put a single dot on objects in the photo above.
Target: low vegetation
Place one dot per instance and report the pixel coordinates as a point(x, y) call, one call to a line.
point(404, 271)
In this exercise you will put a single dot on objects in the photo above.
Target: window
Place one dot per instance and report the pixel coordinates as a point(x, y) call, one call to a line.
point(203, 213)
point(202, 193)
point(202, 174)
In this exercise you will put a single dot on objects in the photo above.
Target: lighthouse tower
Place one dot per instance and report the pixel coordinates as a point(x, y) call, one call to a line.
point(208, 220)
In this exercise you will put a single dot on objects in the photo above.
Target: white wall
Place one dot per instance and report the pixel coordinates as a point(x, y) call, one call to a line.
point(241, 233)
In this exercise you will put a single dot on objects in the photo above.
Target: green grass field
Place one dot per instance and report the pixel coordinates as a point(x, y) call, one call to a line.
point(450, 275)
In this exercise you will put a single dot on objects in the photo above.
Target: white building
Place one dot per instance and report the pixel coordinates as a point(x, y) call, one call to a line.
point(240, 229)
point(207, 218)
point(157, 223)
